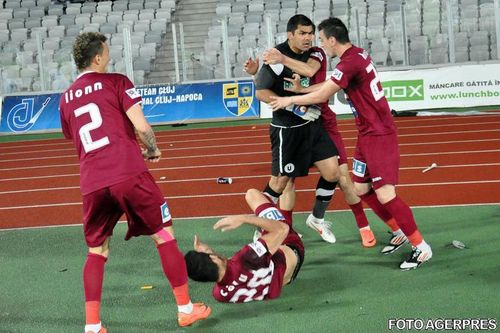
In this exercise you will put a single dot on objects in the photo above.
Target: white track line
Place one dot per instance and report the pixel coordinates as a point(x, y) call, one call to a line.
point(187, 219)
point(243, 193)
point(177, 134)
point(266, 143)
point(44, 189)
point(240, 164)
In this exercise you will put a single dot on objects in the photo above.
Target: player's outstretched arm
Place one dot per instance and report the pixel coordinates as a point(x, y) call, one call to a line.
point(276, 231)
point(146, 134)
point(327, 90)
point(274, 56)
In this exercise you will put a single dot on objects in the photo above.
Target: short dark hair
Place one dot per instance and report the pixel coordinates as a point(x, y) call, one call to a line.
point(86, 46)
point(200, 267)
point(296, 20)
point(334, 27)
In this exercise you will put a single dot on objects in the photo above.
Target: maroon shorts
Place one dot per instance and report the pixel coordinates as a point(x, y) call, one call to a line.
point(138, 197)
point(376, 160)
point(333, 132)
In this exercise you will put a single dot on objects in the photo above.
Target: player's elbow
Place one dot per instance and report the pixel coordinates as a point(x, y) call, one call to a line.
point(143, 128)
point(261, 96)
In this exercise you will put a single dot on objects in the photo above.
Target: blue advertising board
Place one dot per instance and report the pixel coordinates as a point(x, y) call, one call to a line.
point(162, 104)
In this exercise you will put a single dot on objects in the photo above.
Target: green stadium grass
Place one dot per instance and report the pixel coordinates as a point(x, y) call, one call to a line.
point(341, 288)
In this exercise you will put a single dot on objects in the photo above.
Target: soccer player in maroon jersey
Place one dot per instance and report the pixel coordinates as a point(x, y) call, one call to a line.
point(376, 159)
point(316, 68)
point(261, 268)
point(99, 113)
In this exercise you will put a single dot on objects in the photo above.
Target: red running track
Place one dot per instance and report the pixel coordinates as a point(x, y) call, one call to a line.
point(39, 179)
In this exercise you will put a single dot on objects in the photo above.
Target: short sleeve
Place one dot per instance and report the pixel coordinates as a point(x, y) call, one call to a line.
point(265, 78)
point(256, 255)
point(343, 73)
point(127, 93)
point(318, 55)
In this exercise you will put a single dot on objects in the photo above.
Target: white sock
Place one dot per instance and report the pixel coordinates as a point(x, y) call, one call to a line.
point(95, 328)
point(186, 308)
point(424, 247)
point(398, 232)
point(318, 219)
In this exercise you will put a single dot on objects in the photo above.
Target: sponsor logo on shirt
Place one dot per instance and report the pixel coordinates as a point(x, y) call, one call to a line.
point(376, 179)
point(337, 74)
point(132, 93)
point(258, 248)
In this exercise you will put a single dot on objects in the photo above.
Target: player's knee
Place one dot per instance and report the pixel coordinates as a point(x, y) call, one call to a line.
point(100, 250)
point(361, 189)
point(251, 195)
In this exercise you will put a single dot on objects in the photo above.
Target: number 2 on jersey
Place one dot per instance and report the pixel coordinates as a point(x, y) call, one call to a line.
point(95, 122)
point(376, 92)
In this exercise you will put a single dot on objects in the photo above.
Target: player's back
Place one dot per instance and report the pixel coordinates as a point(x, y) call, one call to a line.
point(252, 274)
point(356, 74)
point(93, 115)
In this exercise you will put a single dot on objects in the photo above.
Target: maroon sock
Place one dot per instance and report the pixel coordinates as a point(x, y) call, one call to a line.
point(372, 201)
point(93, 274)
point(359, 215)
point(173, 264)
point(403, 215)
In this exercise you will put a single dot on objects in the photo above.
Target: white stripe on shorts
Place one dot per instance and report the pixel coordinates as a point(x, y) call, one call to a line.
point(281, 150)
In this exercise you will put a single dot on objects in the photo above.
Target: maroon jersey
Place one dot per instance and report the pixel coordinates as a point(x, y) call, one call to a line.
point(93, 115)
point(356, 74)
point(253, 274)
point(319, 55)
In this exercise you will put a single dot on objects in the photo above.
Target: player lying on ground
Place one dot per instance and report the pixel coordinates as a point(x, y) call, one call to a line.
point(260, 269)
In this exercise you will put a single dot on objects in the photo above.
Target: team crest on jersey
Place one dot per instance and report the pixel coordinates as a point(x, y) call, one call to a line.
point(237, 97)
point(337, 74)
point(132, 93)
point(165, 213)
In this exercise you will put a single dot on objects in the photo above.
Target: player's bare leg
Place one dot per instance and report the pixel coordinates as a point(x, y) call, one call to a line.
point(329, 170)
point(275, 187)
point(354, 202)
point(93, 275)
point(174, 268)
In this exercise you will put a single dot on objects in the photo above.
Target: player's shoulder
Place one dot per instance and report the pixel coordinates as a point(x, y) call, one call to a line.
point(116, 77)
point(317, 53)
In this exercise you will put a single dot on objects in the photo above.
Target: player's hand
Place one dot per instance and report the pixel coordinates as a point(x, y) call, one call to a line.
point(310, 112)
point(280, 102)
point(199, 246)
point(251, 66)
point(296, 86)
point(151, 155)
point(229, 223)
point(273, 57)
